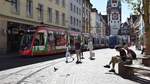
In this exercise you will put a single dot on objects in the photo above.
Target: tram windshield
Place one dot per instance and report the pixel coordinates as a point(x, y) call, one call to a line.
point(26, 41)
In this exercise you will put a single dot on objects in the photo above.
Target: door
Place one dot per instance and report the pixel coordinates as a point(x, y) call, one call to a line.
point(40, 42)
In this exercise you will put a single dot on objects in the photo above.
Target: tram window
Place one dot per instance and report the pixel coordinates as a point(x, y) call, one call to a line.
point(26, 41)
point(36, 42)
point(50, 37)
point(39, 39)
point(59, 39)
point(62, 40)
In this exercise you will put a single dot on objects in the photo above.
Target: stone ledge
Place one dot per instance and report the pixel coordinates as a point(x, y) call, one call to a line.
point(146, 61)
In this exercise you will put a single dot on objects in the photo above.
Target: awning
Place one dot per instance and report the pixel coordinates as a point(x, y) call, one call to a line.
point(73, 33)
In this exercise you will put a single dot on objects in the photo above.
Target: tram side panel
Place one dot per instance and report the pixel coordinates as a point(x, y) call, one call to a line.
point(40, 44)
point(45, 42)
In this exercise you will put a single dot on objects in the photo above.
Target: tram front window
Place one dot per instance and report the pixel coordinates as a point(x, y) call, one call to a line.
point(26, 41)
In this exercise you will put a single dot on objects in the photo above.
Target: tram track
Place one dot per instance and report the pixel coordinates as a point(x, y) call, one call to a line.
point(28, 72)
point(6, 76)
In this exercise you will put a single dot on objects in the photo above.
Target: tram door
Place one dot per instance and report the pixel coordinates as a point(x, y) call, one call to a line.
point(51, 42)
point(40, 41)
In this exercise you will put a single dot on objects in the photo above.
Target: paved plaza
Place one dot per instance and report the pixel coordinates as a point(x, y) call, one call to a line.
point(89, 72)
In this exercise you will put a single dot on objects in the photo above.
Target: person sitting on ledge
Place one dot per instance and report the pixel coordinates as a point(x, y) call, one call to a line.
point(117, 58)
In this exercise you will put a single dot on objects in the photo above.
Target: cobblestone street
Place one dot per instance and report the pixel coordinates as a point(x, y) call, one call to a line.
point(89, 72)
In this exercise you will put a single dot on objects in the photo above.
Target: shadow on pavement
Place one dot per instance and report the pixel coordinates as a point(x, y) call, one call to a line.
point(14, 60)
point(139, 80)
point(134, 78)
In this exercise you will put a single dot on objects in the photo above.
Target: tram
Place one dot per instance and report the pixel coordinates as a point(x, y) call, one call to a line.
point(114, 40)
point(73, 38)
point(43, 41)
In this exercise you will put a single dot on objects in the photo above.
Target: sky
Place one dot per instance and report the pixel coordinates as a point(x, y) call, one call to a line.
point(100, 5)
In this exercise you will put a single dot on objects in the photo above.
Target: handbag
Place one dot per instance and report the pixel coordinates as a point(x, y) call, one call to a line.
point(93, 54)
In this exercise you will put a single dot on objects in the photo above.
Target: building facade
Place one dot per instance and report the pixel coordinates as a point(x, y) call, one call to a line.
point(87, 6)
point(18, 15)
point(124, 32)
point(105, 20)
point(74, 15)
point(103, 26)
point(98, 24)
point(95, 22)
point(114, 16)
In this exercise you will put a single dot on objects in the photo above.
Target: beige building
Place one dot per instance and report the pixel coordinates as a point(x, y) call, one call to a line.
point(95, 21)
point(74, 15)
point(18, 15)
point(103, 26)
point(87, 6)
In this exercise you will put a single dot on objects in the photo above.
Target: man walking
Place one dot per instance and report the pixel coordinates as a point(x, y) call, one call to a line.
point(90, 47)
point(77, 48)
point(82, 50)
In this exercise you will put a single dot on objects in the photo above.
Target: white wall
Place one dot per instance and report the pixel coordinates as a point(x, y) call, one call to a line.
point(74, 14)
point(95, 23)
point(114, 25)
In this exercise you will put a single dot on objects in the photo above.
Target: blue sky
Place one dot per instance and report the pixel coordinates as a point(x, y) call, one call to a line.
point(101, 7)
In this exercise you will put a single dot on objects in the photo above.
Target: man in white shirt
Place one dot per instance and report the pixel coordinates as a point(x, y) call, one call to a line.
point(90, 47)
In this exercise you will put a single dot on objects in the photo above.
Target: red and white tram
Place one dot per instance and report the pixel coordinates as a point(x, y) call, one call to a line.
point(43, 41)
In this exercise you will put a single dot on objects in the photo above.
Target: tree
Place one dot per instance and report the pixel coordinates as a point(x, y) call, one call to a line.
point(135, 5)
point(146, 4)
point(142, 7)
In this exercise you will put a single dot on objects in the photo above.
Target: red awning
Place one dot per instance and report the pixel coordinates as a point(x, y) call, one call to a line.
point(73, 33)
point(86, 34)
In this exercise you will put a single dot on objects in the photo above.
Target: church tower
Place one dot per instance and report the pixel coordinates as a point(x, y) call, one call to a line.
point(114, 16)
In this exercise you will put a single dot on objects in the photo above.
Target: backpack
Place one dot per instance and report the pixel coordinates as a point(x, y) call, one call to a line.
point(133, 54)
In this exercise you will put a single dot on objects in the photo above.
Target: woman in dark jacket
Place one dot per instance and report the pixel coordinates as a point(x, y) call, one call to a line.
point(81, 50)
point(77, 48)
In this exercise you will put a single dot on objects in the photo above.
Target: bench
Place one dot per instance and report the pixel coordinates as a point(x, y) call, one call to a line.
point(146, 60)
point(143, 57)
point(126, 70)
point(140, 67)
